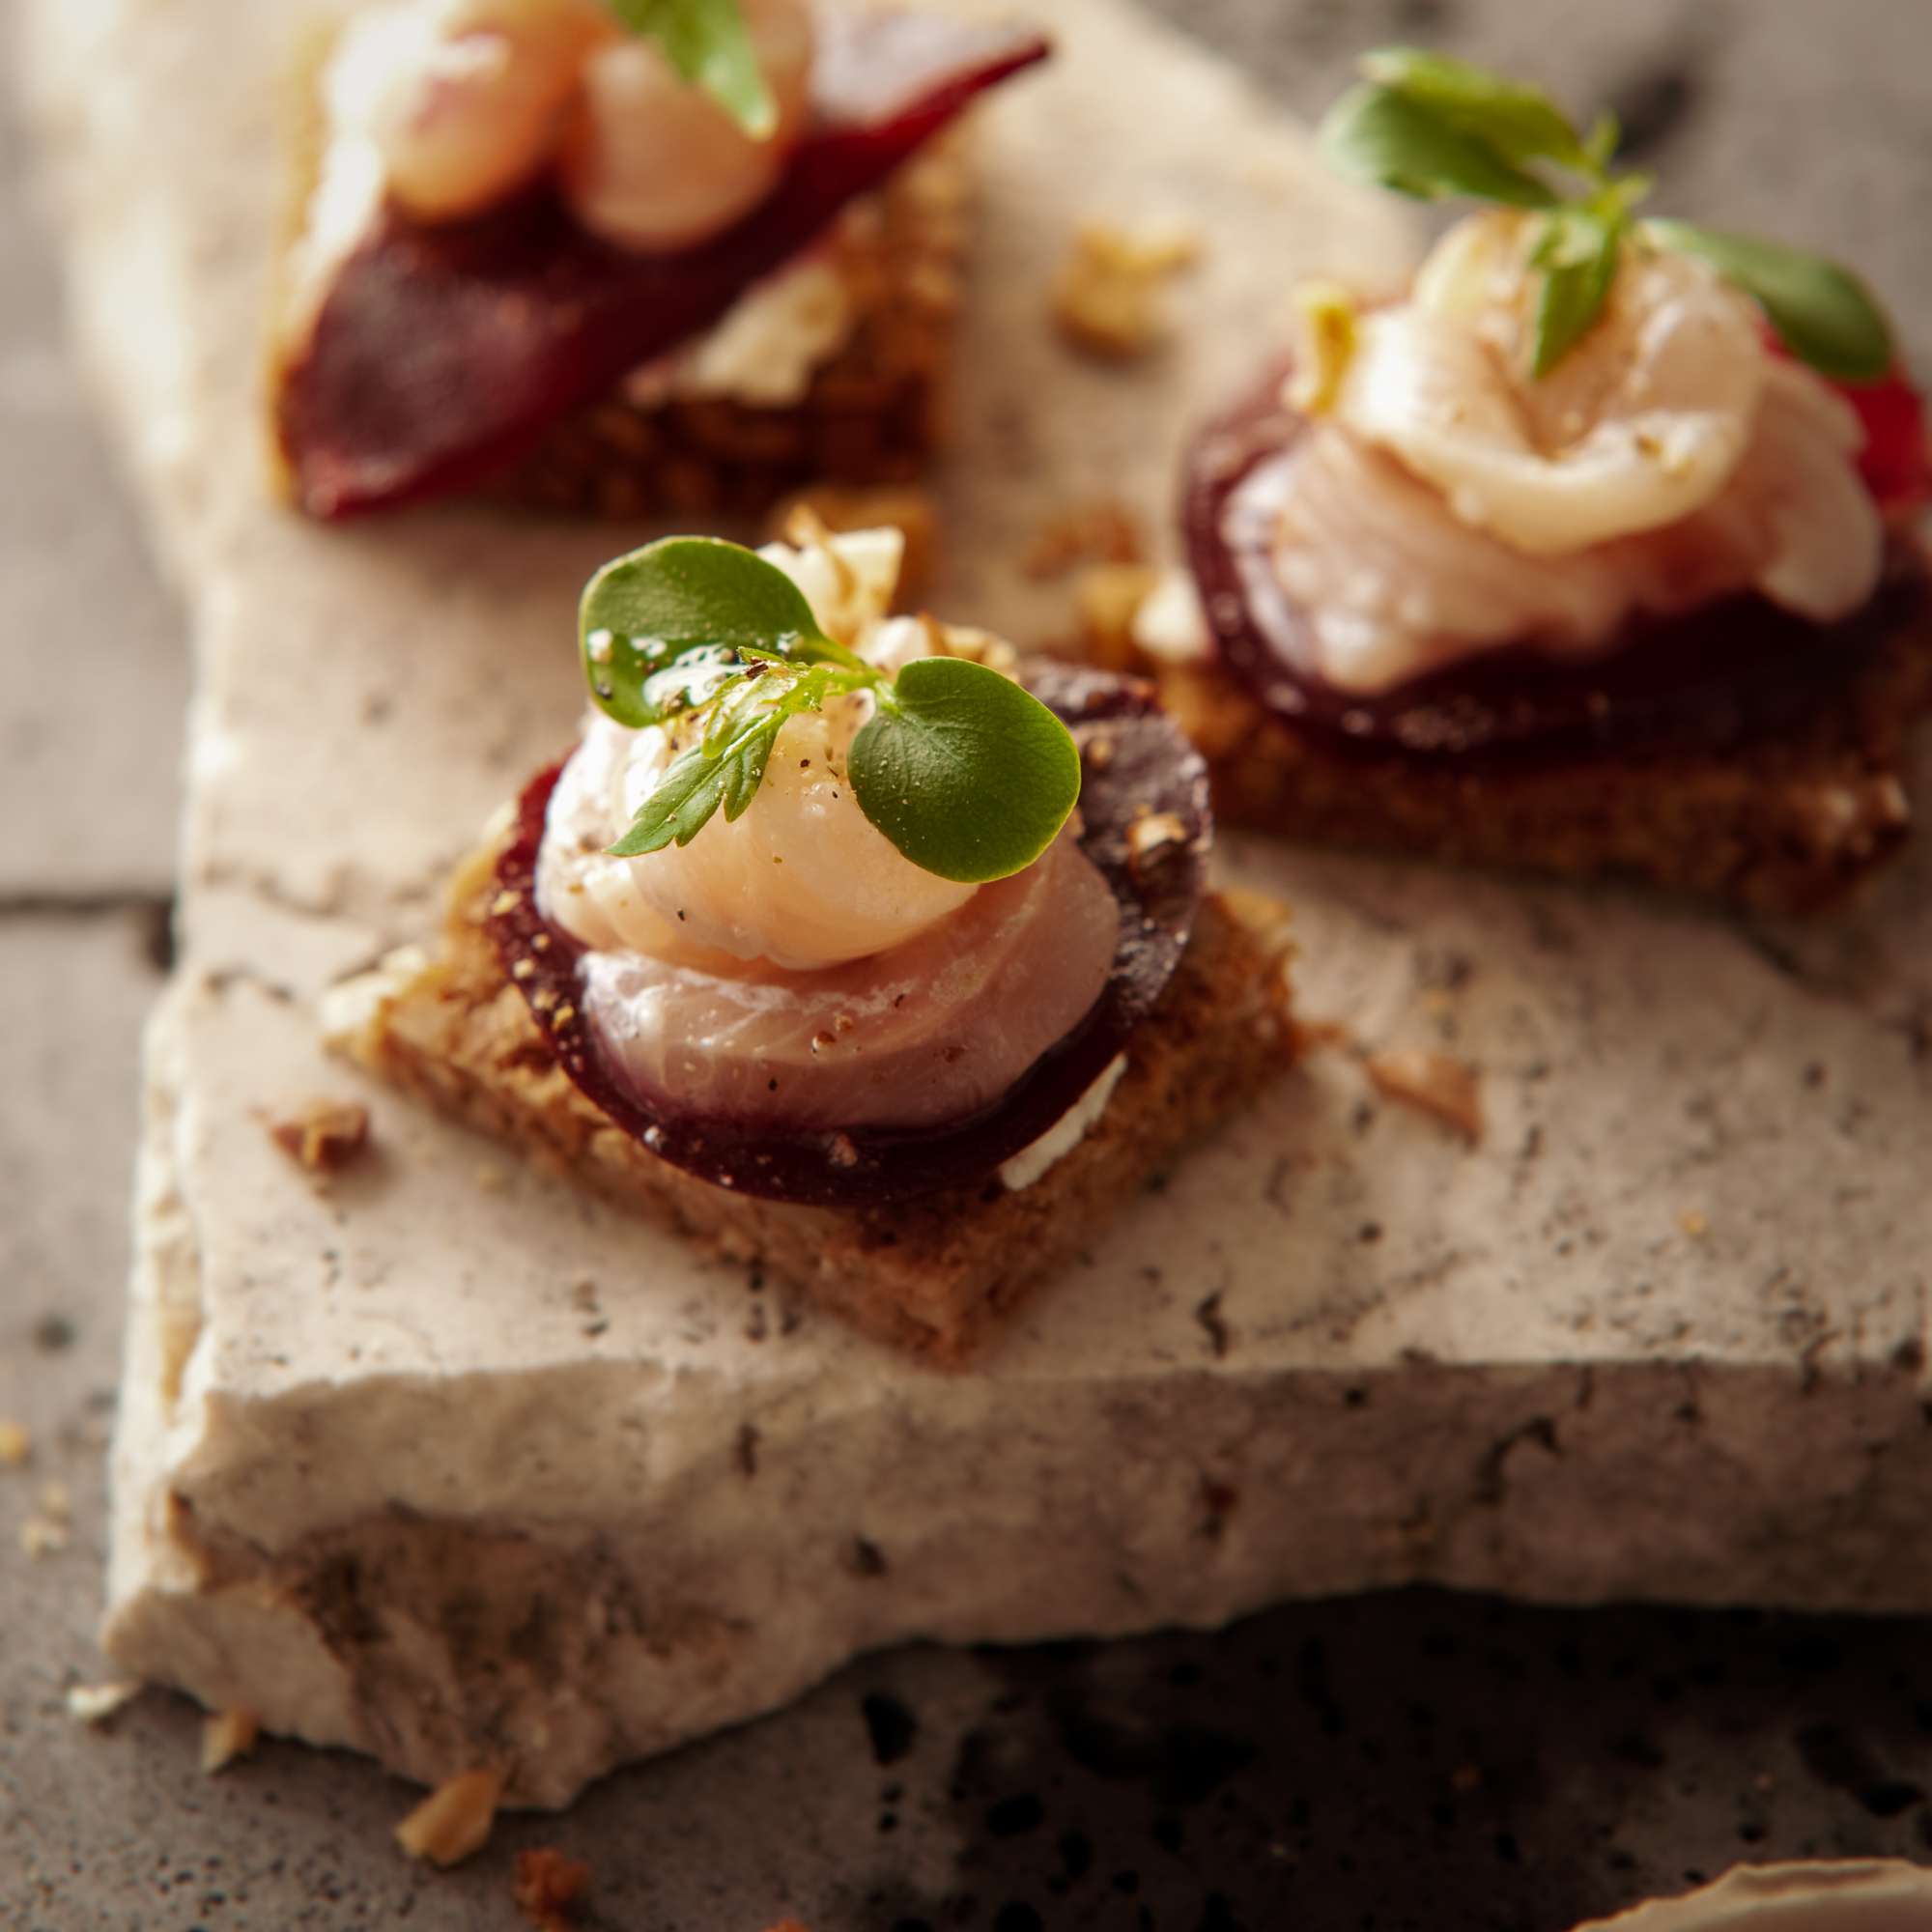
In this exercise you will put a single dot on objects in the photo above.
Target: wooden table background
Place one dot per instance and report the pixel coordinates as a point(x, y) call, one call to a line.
point(1393, 1761)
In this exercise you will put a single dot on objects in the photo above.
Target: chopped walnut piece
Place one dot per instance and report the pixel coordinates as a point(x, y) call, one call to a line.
point(1151, 838)
point(453, 1822)
point(1107, 597)
point(226, 1736)
point(322, 1136)
point(549, 1887)
point(95, 1703)
point(1103, 532)
point(1435, 1083)
point(16, 1444)
point(38, 1537)
point(830, 508)
point(1693, 1223)
point(1106, 297)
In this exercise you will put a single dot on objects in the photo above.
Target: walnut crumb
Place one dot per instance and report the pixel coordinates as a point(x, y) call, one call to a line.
point(38, 1537)
point(57, 1502)
point(1151, 838)
point(1106, 297)
point(549, 1887)
point(1692, 1223)
point(453, 1822)
point(226, 1736)
point(1105, 531)
point(322, 1136)
point(95, 1703)
point(830, 509)
point(1107, 598)
point(16, 1445)
point(1435, 1083)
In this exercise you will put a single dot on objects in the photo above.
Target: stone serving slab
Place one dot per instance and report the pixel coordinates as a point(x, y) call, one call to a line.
point(1661, 1333)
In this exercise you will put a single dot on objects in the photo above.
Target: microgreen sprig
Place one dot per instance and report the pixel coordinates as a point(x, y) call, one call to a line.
point(708, 44)
point(1431, 127)
point(967, 774)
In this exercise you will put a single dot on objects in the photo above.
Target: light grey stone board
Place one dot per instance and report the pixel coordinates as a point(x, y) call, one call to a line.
point(1339, 1349)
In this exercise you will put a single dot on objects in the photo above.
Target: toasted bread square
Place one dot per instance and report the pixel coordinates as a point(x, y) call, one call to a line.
point(935, 1276)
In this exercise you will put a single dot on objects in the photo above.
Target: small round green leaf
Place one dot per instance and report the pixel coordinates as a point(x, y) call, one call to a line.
point(708, 44)
point(968, 775)
point(1381, 134)
point(1823, 313)
point(687, 598)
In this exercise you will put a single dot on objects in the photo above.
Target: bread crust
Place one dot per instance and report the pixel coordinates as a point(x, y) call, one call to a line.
point(935, 1276)
point(872, 413)
point(1790, 822)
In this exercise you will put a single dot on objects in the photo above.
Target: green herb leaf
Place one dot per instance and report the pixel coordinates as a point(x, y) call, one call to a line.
point(1519, 122)
point(968, 775)
point(1379, 134)
point(1606, 132)
point(657, 626)
point(1579, 254)
point(707, 42)
point(727, 765)
point(1822, 313)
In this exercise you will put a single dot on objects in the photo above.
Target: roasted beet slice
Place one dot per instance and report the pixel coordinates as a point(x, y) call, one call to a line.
point(1706, 681)
point(441, 352)
point(1146, 824)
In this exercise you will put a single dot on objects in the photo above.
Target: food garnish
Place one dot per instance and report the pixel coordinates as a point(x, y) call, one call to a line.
point(707, 42)
point(968, 775)
point(1431, 127)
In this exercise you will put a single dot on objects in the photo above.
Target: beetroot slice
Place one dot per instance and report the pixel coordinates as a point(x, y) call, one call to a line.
point(441, 352)
point(1708, 680)
point(1138, 769)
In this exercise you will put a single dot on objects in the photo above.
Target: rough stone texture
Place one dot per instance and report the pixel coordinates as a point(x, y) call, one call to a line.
point(88, 735)
point(1398, 1760)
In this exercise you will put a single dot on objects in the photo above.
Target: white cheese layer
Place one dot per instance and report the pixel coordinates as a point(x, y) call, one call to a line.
point(766, 349)
point(1033, 1163)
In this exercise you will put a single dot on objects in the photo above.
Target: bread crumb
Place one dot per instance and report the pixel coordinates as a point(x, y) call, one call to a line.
point(95, 1703)
point(226, 1736)
point(1435, 1083)
point(41, 1538)
point(1103, 532)
point(16, 1445)
point(830, 509)
point(1107, 296)
point(1692, 1223)
point(322, 1136)
point(453, 1822)
point(549, 1887)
